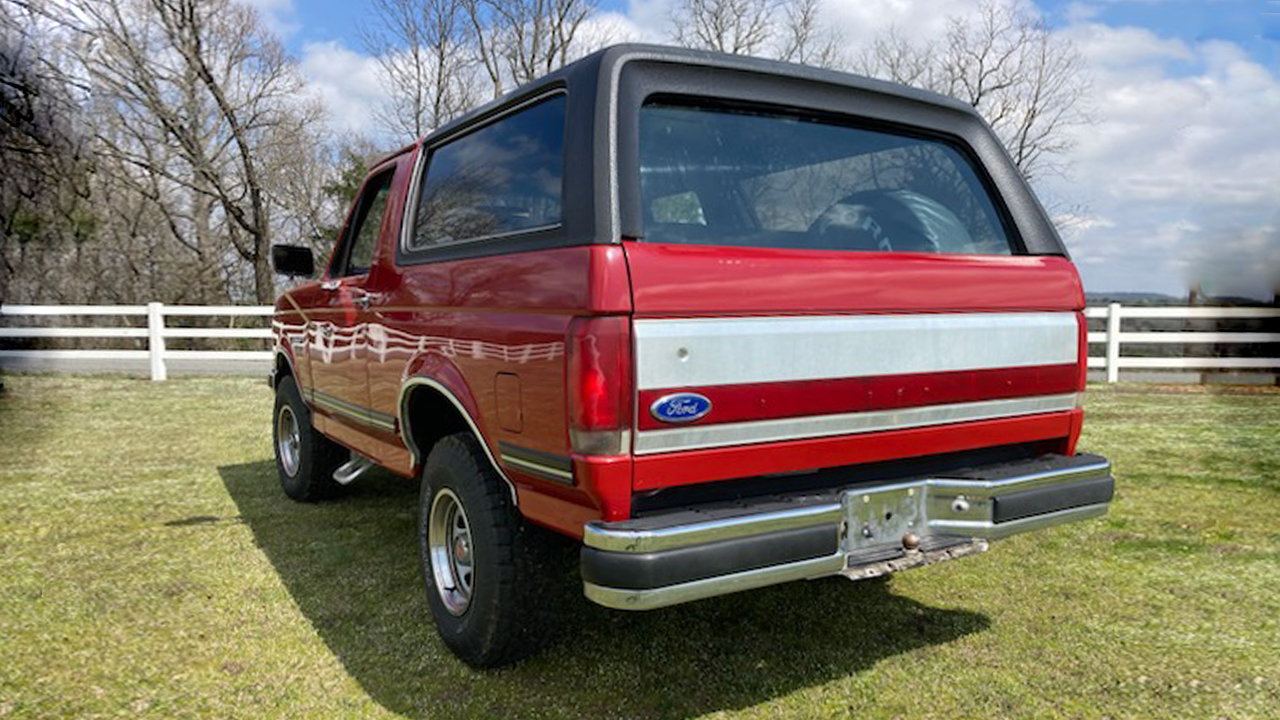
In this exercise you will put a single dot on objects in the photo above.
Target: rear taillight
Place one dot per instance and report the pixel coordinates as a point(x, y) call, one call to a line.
point(599, 377)
point(1082, 356)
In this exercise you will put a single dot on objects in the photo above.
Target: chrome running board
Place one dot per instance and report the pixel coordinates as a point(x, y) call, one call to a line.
point(352, 469)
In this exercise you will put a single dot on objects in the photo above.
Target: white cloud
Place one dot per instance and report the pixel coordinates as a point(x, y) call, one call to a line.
point(609, 28)
point(1112, 48)
point(280, 16)
point(347, 82)
point(1182, 162)
point(650, 17)
point(861, 21)
point(1078, 12)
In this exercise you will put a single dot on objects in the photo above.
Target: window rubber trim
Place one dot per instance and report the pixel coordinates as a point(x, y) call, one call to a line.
point(406, 256)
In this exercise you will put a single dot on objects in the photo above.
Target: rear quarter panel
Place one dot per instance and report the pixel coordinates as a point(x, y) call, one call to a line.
point(465, 322)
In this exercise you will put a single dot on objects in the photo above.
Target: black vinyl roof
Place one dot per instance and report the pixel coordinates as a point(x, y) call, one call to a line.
point(606, 89)
point(608, 62)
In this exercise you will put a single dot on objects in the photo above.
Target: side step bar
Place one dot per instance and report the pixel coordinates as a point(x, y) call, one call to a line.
point(352, 469)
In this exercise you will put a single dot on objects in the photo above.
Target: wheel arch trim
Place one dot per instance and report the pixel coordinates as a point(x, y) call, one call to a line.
point(406, 431)
point(281, 352)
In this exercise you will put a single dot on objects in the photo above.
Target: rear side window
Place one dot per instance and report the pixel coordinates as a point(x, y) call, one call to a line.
point(716, 176)
point(502, 179)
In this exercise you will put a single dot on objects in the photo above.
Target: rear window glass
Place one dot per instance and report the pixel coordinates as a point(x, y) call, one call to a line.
point(504, 178)
point(715, 176)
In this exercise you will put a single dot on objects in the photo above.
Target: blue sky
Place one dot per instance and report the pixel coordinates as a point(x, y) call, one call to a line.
point(1176, 183)
point(1252, 24)
point(1244, 22)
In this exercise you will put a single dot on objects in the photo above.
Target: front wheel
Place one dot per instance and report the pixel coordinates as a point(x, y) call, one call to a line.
point(478, 559)
point(305, 459)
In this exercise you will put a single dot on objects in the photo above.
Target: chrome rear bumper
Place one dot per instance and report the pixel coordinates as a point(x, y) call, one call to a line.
point(861, 531)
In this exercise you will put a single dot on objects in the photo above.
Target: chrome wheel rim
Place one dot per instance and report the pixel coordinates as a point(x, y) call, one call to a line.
point(288, 441)
point(449, 542)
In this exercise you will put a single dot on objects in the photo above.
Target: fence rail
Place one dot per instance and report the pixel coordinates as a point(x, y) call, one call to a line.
point(155, 333)
point(1112, 339)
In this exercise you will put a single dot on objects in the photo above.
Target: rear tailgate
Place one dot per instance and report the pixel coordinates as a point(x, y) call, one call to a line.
point(813, 358)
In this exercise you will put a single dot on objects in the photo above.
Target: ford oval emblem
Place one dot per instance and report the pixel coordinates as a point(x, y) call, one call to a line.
point(680, 407)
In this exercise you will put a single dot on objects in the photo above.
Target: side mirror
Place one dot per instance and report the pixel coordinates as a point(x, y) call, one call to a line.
point(293, 260)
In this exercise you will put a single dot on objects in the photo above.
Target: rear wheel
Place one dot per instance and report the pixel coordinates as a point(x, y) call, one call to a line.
point(305, 459)
point(479, 558)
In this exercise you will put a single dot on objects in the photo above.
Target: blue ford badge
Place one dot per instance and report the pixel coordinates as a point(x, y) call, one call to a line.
point(680, 407)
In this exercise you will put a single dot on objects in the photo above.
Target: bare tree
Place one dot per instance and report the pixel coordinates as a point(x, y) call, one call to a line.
point(202, 94)
point(44, 153)
point(1027, 82)
point(806, 40)
point(151, 150)
point(518, 41)
point(428, 66)
point(789, 30)
point(895, 57)
point(739, 27)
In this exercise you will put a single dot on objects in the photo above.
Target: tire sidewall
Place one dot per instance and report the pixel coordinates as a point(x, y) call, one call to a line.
point(473, 634)
point(300, 485)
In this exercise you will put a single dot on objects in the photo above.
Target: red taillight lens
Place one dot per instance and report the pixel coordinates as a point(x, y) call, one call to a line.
point(1082, 356)
point(599, 361)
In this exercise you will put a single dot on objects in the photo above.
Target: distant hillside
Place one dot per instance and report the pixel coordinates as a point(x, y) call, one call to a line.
point(1145, 298)
point(1133, 298)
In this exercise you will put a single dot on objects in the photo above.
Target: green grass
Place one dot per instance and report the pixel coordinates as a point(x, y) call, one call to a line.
point(150, 568)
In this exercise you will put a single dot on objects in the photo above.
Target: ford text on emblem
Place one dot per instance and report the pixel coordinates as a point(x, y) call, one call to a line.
point(680, 407)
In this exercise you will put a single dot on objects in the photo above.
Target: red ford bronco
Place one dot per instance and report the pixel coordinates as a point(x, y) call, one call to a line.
point(729, 322)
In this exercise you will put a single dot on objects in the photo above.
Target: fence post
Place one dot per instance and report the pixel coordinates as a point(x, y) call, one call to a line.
point(1113, 342)
point(155, 340)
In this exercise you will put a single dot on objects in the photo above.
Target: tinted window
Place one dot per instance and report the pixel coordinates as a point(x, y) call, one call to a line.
point(362, 239)
point(765, 180)
point(682, 208)
point(503, 178)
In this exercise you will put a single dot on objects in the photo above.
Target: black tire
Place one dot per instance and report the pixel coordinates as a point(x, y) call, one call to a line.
point(499, 620)
point(306, 475)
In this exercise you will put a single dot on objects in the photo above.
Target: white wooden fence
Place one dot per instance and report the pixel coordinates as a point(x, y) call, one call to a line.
point(155, 333)
point(1113, 338)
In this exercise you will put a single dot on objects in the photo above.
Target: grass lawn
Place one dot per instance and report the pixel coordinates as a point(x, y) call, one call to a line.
point(151, 568)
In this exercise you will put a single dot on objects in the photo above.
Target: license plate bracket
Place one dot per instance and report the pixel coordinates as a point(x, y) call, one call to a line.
point(884, 516)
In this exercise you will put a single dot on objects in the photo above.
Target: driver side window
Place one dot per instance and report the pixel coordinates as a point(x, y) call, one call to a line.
point(366, 224)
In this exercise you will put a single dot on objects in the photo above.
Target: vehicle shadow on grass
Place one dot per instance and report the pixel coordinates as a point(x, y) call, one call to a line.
point(351, 567)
